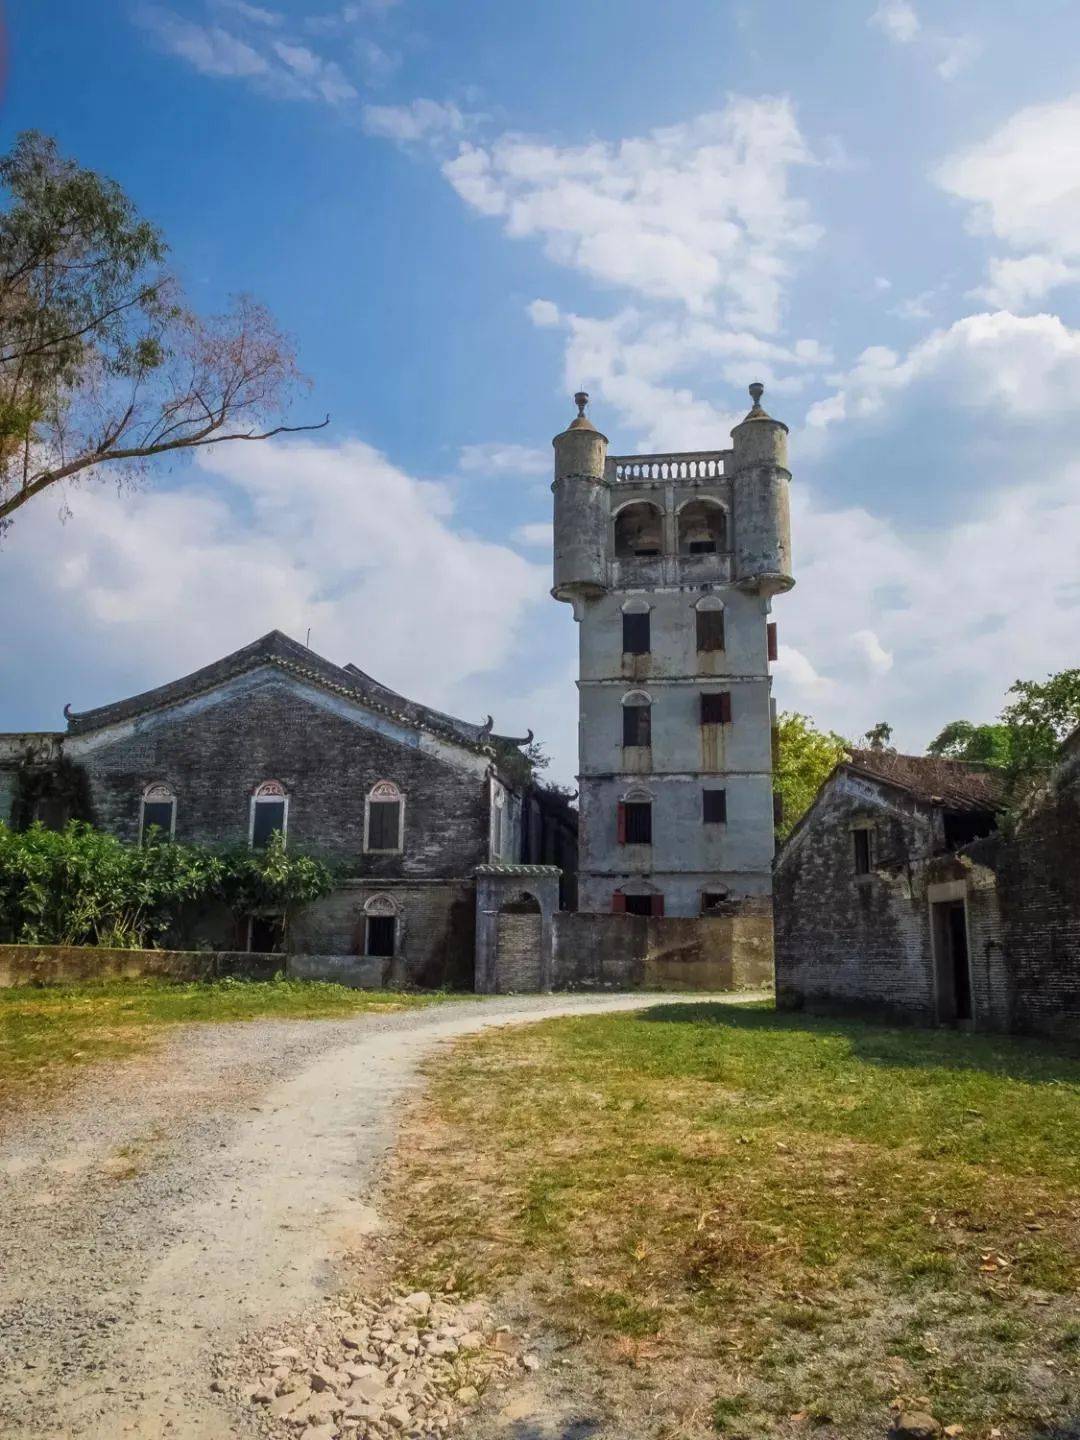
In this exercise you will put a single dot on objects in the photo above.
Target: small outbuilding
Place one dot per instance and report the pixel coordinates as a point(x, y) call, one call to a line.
point(898, 895)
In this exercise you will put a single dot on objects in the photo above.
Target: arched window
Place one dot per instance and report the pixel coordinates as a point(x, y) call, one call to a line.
point(269, 813)
point(158, 810)
point(637, 718)
point(702, 528)
point(384, 819)
point(710, 623)
point(635, 818)
point(639, 531)
point(636, 629)
point(380, 926)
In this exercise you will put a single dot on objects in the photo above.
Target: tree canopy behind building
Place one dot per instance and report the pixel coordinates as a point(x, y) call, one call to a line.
point(805, 757)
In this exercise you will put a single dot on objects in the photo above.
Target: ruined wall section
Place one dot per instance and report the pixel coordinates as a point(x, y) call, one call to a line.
point(1039, 884)
point(848, 941)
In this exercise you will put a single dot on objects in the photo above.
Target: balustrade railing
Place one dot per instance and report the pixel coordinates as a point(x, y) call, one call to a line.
point(684, 465)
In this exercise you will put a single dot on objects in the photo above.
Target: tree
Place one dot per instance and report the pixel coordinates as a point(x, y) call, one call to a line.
point(1043, 714)
point(879, 735)
point(805, 756)
point(976, 744)
point(101, 362)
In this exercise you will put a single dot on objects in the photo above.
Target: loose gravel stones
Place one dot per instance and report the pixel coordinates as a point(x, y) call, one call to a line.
point(404, 1367)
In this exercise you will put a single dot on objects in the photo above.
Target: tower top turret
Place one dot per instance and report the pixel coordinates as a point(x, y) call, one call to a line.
point(581, 421)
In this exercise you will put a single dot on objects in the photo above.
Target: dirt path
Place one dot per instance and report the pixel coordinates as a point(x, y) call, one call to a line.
point(169, 1203)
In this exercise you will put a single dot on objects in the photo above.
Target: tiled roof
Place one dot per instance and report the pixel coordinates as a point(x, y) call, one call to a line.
point(517, 870)
point(952, 784)
point(289, 655)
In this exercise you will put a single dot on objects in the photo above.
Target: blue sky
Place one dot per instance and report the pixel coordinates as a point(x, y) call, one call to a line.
point(463, 212)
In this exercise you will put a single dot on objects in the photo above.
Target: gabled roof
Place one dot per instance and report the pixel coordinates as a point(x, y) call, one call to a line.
point(950, 784)
point(290, 656)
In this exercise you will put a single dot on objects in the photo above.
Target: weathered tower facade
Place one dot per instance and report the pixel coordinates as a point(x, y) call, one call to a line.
point(671, 562)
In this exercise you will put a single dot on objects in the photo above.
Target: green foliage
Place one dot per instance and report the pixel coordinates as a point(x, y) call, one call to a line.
point(879, 735)
point(100, 360)
point(78, 886)
point(805, 757)
point(977, 744)
point(1039, 719)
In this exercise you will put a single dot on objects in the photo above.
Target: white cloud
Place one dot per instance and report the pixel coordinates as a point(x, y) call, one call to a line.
point(1021, 185)
point(421, 120)
point(698, 213)
point(211, 49)
point(493, 458)
point(242, 41)
point(635, 363)
point(898, 21)
point(538, 533)
point(138, 589)
point(948, 636)
point(1019, 367)
point(950, 54)
point(1016, 284)
point(543, 313)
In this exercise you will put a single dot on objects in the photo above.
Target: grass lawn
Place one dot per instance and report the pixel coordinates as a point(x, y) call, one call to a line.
point(46, 1030)
point(784, 1226)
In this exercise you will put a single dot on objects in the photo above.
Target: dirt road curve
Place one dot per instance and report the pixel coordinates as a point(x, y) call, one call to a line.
point(168, 1203)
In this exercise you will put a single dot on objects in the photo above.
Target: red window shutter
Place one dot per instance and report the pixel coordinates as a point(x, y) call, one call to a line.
point(622, 823)
point(618, 903)
point(658, 905)
point(770, 631)
point(725, 707)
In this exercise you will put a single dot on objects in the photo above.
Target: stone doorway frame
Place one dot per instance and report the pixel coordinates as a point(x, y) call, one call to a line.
point(495, 885)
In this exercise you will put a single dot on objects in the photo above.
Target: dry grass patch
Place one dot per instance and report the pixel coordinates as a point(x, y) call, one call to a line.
point(808, 1219)
point(46, 1030)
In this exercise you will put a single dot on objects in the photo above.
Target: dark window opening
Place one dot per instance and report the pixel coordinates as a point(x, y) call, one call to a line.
point(638, 822)
point(861, 841)
point(702, 528)
point(639, 904)
point(963, 826)
point(266, 934)
point(714, 807)
point(716, 709)
point(638, 531)
point(269, 820)
point(637, 725)
point(384, 825)
point(771, 641)
point(159, 813)
point(381, 934)
point(716, 902)
point(702, 547)
point(710, 630)
point(635, 634)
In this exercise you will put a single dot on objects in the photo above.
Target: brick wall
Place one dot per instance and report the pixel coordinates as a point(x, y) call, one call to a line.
point(1039, 882)
point(631, 951)
point(436, 931)
point(271, 728)
point(518, 967)
point(854, 942)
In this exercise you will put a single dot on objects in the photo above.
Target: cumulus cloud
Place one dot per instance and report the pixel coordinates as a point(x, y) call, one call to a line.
point(1019, 367)
point(1021, 184)
point(700, 214)
point(538, 533)
point(136, 590)
point(897, 20)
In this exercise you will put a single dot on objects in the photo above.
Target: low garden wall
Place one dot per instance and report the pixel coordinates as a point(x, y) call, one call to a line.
point(65, 964)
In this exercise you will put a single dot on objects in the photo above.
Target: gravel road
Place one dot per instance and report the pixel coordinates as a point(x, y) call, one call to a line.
point(168, 1203)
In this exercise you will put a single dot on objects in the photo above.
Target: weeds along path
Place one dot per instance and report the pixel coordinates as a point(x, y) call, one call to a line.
point(169, 1202)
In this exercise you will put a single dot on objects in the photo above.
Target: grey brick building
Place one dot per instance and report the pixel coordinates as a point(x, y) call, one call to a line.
point(897, 896)
point(404, 800)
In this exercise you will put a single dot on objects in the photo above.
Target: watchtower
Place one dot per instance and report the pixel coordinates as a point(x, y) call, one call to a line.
point(670, 563)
